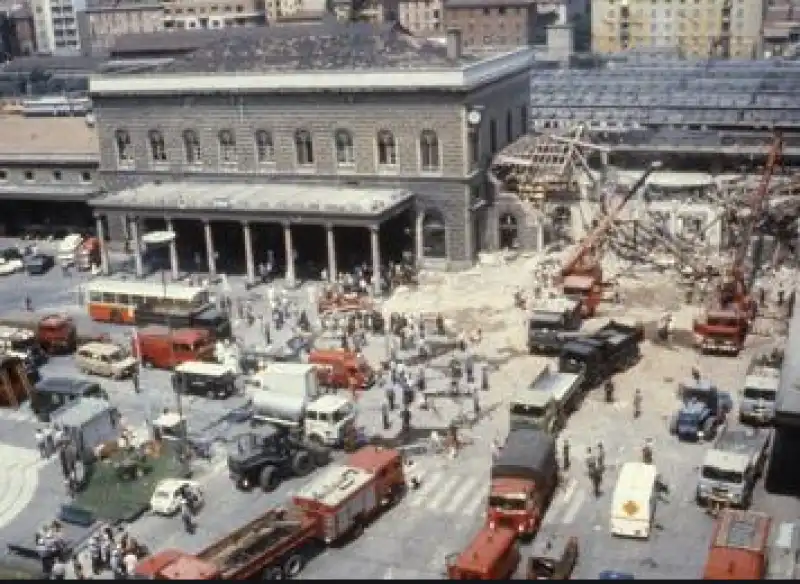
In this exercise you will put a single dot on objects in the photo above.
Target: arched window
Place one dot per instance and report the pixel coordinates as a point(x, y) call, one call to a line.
point(387, 149)
point(304, 147)
point(509, 231)
point(158, 148)
point(429, 151)
point(227, 147)
point(122, 141)
point(191, 147)
point(345, 151)
point(434, 235)
point(265, 147)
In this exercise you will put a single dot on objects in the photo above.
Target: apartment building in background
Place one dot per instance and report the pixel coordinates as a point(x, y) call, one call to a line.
point(492, 23)
point(782, 28)
point(421, 17)
point(104, 21)
point(188, 14)
point(696, 27)
point(56, 25)
point(17, 36)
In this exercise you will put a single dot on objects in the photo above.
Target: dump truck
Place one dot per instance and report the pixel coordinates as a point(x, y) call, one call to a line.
point(609, 350)
point(732, 466)
point(523, 479)
point(276, 545)
point(738, 549)
point(552, 323)
point(547, 401)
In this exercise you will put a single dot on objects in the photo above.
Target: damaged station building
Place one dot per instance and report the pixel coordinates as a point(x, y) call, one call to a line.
point(595, 130)
point(329, 145)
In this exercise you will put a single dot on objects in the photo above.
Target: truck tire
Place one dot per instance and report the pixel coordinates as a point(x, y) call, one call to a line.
point(268, 479)
point(272, 573)
point(302, 463)
point(293, 565)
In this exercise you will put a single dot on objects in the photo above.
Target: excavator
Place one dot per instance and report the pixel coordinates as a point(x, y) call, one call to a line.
point(727, 319)
point(581, 275)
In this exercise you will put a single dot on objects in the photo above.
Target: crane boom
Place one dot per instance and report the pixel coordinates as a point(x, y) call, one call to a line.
point(601, 229)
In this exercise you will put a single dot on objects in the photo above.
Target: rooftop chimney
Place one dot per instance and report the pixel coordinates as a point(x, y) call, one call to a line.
point(454, 44)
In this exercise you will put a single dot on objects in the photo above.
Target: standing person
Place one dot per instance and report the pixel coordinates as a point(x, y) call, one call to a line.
point(130, 561)
point(186, 517)
point(41, 444)
point(601, 457)
point(385, 416)
point(389, 391)
point(476, 404)
point(637, 403)
point(77, 568)
point(405, 418)
point(135, 380)
point(565, 454)
point(95, 555)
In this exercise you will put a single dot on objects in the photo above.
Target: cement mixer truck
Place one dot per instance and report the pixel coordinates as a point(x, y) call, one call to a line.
point(288, 395)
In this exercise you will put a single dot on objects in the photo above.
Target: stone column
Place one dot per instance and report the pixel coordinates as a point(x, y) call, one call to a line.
point(419, 238)
point(174, 263)
point(248, 253)
point(137, 247)
point(105, 269)
point(212, 255)
point(333, 269)
point(287, 240)
point(376, 258)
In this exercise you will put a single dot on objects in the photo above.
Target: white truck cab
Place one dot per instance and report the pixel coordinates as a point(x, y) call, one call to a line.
point(328, 419)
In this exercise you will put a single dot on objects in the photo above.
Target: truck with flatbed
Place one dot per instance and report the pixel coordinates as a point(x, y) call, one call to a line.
point(277, 545)
point(546, 403)
point(523, 479)
point(551, 323)
point(739, 545)
point(732, 466)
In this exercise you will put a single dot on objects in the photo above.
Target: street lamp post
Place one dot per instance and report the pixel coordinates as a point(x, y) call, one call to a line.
point(163, 240)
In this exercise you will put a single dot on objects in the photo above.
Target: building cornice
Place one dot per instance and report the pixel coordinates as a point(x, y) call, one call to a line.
point(465, 78)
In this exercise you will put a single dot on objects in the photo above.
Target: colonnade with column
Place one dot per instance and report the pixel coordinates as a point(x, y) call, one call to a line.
point(135, 231)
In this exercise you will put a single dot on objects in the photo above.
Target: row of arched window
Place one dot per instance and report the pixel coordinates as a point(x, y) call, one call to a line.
point(386, 148)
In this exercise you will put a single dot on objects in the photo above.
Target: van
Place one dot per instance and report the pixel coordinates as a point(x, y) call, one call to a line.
point(68, 249)
point(634, 502)
point(342, 369)
point(163, 348)
point(52, 393)
point(208, 379)
point(105, 359)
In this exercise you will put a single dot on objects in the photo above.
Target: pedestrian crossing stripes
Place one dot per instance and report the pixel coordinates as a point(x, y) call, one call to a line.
point(20, 469)
point(459, 494)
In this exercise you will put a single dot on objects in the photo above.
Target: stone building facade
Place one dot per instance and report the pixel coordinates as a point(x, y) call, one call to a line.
point(422, 118)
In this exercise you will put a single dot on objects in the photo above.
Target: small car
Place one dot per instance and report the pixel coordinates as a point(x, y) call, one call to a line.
point(105, 359)
point(166, 499)
point(10, 265)
point(553, 556)
point(39, 264)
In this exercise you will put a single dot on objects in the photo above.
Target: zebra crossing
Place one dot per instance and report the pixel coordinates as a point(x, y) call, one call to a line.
point(20, 469)
point(458, 493)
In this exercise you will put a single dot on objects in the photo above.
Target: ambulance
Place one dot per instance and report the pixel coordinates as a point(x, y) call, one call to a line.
point(634, 503)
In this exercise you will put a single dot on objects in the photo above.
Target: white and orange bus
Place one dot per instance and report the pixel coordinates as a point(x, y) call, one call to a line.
point(116, 300)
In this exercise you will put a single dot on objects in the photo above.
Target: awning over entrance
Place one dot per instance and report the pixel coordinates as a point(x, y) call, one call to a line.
point(258, 202)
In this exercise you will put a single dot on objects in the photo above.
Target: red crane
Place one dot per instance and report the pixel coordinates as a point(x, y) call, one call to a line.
point(581, 274)
point(727, 320)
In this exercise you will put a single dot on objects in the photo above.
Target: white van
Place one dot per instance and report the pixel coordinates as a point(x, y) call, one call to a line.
point(634, 502)
point(68, 249)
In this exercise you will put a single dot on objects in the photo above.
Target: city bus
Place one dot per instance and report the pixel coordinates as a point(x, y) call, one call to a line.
point(116, 300)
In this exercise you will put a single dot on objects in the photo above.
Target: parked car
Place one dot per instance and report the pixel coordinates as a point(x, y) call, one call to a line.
point(39, 263)
point(166, 499)
point(10, 266)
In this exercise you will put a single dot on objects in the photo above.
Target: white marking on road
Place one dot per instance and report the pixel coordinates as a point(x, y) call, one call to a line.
point(443, 492)
point(570, 514)
point(472, 506)
point(427, 483)
point(21, 480)
point(462, 493)
point(560, 502)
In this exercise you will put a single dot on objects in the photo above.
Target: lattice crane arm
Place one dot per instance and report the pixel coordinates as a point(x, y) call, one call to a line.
point(597, 234)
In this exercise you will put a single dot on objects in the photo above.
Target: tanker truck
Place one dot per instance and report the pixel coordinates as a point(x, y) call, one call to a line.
point(288, 395)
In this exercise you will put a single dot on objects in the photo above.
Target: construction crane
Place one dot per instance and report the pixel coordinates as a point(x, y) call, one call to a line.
point(581, 275)
point(727, 319)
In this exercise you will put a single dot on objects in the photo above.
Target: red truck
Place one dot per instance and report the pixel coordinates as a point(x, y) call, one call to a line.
point(523, 479)
point(739, 546)
point(276, 545)
point(493, 554)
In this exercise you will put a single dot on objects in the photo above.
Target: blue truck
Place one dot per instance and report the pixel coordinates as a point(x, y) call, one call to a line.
point(703, 409)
